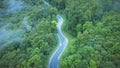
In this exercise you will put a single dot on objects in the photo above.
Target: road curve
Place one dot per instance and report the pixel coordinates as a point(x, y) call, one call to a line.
point(54, 60)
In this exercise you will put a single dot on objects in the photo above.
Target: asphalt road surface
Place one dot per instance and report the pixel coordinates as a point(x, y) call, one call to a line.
point(54, 60)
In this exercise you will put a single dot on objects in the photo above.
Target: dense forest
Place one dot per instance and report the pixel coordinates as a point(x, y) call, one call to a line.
point(95, 29)
point(28, 33)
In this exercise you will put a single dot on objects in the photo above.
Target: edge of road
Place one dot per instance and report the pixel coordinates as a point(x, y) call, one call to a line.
point(54, 49)
point(69, 39)
point(68, 36)
point(58, 45)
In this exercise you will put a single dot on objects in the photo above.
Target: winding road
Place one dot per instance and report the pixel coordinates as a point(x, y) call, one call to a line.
point(63, 41)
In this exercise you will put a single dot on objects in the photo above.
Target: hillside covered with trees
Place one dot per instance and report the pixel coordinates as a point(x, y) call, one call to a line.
point(95, 29)
point(28, 33)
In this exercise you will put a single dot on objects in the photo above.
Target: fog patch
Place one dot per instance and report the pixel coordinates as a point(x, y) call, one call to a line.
point(7, 36)
point(16, 35)
point(14, 6)
point(26, 25)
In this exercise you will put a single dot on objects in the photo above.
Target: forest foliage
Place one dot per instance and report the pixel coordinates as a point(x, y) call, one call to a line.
point(95, 25)
point(38, 23)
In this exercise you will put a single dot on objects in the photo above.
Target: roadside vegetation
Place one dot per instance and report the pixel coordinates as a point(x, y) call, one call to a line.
point(28, 33)
point(95, 25)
